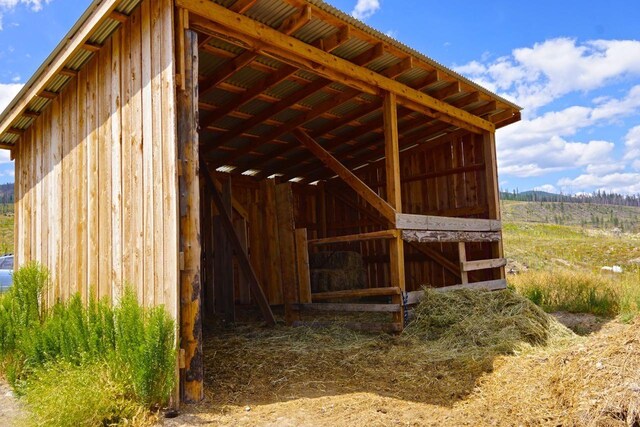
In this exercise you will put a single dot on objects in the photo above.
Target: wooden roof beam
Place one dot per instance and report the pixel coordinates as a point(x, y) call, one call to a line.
point(377, 149)
point(296, 21)
point(302, 161)
point(31, 114)
point(466, 100)
point(91, 47)
point(394, 50)
point(369, 55)
point(280, 165)
point(67, 72)
point(266, 83)
point(16, 131)
point(241, 6)
point(376, 152)
point(505, 118)
point(285, 103)
point(267, 39)
point(48, 94)
point(228, 69)
point(334, 41)
point(447, 91)
point(487, 108)
point(401, 67)
point(431, 78)
point(316, 111)
point(118, 16)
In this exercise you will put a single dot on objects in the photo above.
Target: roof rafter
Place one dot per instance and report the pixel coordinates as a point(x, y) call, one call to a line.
point(318, 110)
point(329, 66)
point(285, 103)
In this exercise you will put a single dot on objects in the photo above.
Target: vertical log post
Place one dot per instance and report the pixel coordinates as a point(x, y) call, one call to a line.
point(493, 194)
point(462, 251)
point(302, 261)
point(394, 197)
point(223, 270)
point(286, 238)
point(190, 303)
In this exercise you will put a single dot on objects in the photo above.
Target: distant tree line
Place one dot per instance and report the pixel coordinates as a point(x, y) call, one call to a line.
point(597, 197)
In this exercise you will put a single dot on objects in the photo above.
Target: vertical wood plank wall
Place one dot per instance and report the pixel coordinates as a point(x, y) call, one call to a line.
point(446, 177)
point(96, 174)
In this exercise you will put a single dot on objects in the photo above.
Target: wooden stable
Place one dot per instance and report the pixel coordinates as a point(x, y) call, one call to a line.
point(218, 154)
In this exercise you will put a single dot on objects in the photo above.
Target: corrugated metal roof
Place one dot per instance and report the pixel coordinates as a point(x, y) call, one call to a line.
point(272, 13)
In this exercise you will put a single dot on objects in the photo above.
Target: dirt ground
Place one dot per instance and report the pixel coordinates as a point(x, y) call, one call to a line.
point(593, 381)
point(11, 411)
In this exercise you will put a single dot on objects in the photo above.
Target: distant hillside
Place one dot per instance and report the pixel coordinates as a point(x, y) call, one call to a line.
point(588, 215)
point(598, 197)
point(6, 193)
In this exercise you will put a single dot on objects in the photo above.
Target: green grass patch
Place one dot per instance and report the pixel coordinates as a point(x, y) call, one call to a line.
point(64, 394)
point(130, 350)
point(579, 292)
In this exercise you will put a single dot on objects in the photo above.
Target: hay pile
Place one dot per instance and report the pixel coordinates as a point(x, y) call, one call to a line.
point(594, 381)
point(474, 324)
point(454, 341)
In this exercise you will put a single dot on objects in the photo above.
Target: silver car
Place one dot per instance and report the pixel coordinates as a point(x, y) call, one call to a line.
point(6, 272)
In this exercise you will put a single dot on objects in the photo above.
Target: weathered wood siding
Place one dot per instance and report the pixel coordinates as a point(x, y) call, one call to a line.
point(96, 174)
point(446, 177)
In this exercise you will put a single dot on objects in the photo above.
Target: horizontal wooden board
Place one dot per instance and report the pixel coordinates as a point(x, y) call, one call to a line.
point(343, 307)
point(358, 326)
point(441, 223)
point(356, 293)
point(424, 236)
point(483, 264)
point(374, 235)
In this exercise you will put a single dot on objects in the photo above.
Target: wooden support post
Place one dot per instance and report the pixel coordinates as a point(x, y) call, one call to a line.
point(244, 295)
point(223, 262)
point(462, 251)
point(302, 262)
point(286, 239)
point(190, 302)
point(493, 195)
point(392, 163)
point(206, 238)
point(243, 257)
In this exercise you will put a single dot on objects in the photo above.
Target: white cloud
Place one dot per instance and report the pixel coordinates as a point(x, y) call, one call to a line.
point(554, 155)
point(626, 183)
point(363, 9)
point(9, 5)
point(7, 92)
point(547, 187)
point(535, 76)
point(632, 143)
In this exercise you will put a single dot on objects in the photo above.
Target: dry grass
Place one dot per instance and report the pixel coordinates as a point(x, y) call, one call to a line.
point(454, 341)
point(570, 381)
point(591, 383)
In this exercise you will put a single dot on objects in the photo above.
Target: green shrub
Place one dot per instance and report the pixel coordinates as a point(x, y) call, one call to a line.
point(63, 394)
point(134, 346)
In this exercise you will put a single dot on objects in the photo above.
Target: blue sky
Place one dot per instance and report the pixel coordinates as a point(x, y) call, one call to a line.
point(574, 66)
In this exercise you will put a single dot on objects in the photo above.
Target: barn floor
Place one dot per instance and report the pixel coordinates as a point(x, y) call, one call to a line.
point(292, 377)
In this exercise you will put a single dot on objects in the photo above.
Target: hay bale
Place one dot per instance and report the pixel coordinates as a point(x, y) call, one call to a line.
point(336, 260)
point(336, 271)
